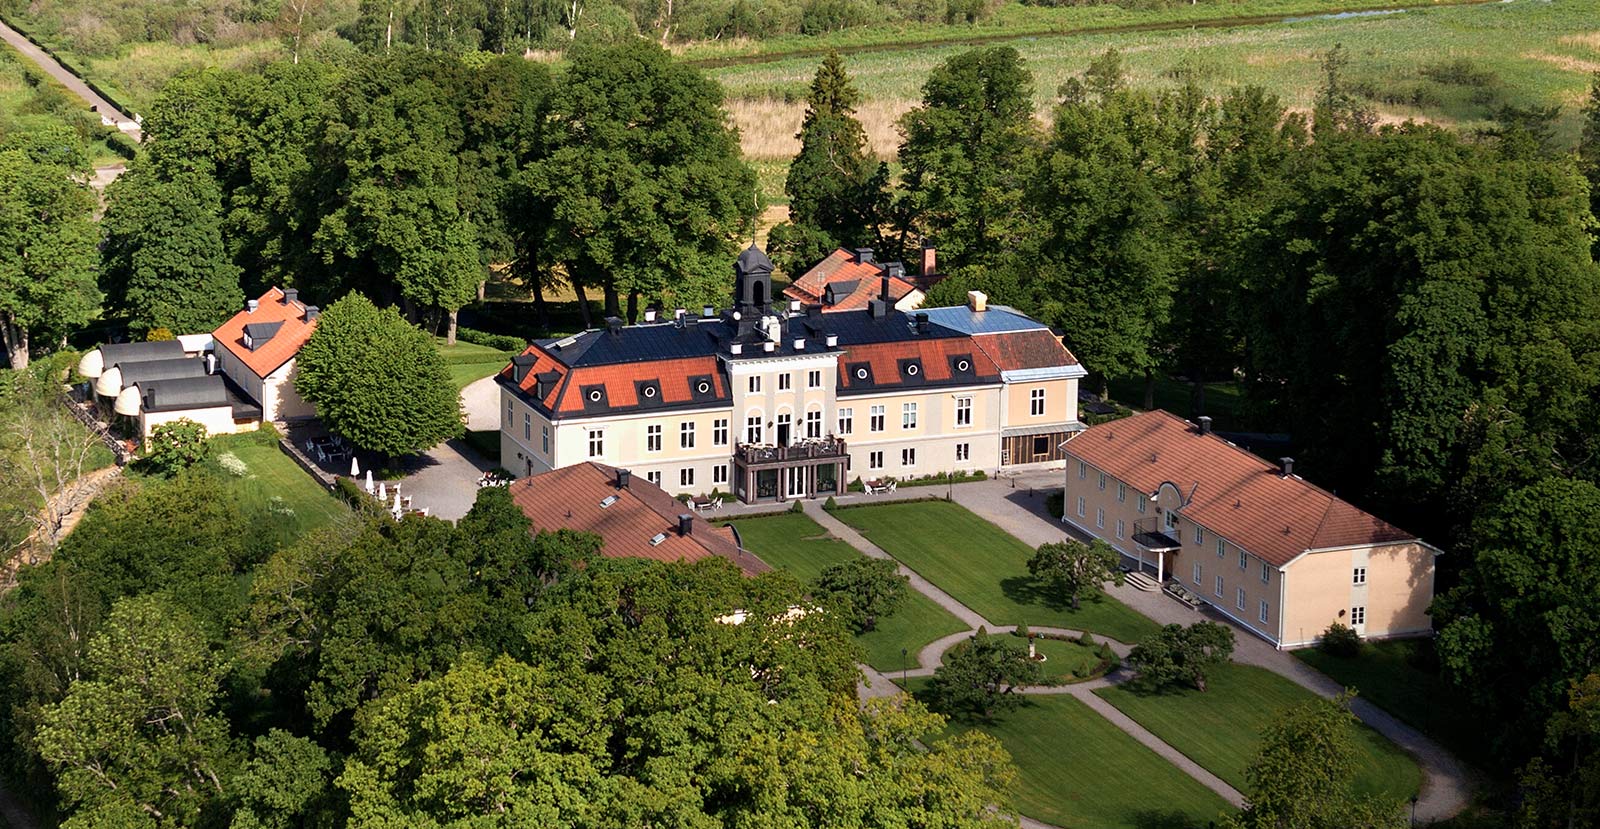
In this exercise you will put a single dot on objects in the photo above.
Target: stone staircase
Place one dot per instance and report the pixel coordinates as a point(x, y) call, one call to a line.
point(1141, 581)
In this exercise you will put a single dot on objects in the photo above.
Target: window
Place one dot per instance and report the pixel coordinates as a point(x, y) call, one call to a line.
point(963, 452)
point(1244, 559)
point(1222, 548)
point(814, 379)
point(874, 460)
point(755, 384)
point(1238, 600)
point(1122, 492)
point(1121, 529)
point(1218, 588)
point(1100, 517)
point(527, 426)
point(1358, 615)
point(908, 415)
point(686, 476)
point(752, 429)
point(597, 443)
point(783, 381)
point(510, 415)
point(784, 421)
point(1266, 573)
point(877, 419)
point(1141, 499)
point(1196, 577)
point(847, 420)
point(1265, 611)
point(1083, 470)
point(908, 456)
point(1041, 445)
point(719, 474)
point(686, 435)
point(1080, 506)
point(1102, 482)
point(719, 432)
point(1360, 576)
point(963, 411)
point(653, 477)
point(652, 438)
point(814, 423)
point(544, 439)
point(1036, 402)
point(1199, 534)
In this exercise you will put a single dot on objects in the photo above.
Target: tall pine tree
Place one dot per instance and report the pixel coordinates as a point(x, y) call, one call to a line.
point(836, 188)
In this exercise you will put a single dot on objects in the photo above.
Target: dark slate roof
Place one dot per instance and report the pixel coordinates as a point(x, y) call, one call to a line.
point(151, 370)
point(753, 260)
point(121, 353)
point(260, 332)
point(185, 393)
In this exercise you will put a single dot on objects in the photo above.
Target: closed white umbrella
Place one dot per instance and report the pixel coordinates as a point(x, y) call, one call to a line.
point(369, 482)
point(383, 491)
point(355, 466)
point(397, 500)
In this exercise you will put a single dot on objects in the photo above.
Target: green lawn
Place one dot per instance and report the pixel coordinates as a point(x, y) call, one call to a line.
point(1399, 678)
point(800, 545)
point(983, 567)
point(1079, 770)
point(1221, 727)
point(468, 362)
point(1065, 662)
point(272, 474)
point(466, 374)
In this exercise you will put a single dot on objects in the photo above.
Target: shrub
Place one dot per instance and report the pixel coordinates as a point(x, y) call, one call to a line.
point(1107, 654)
point(797, 507)
point(1055, 504)
point(158, 335)
point(504, 342)
point(176, 446)
point(232, 465)
point(1022, 630)
point(1086, 640)
point(830, 505)
point(1340, 640)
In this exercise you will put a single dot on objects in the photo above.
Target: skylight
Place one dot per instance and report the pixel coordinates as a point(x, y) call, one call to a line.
point(655, 540)
point(609, 500)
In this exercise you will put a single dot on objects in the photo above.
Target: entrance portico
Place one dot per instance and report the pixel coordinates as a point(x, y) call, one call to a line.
point(806, 469)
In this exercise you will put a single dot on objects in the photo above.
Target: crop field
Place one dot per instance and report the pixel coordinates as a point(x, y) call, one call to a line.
point(1449, 65)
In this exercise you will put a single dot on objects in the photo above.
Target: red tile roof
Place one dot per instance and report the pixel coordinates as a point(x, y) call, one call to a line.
point(1017, 350)
point(569, 498)
point(934, 354)
point(839, 268)
point(565, 395)
point(1236, 495)
point(286, 343)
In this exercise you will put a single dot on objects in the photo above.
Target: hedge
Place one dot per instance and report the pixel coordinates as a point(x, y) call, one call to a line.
point(504, 342)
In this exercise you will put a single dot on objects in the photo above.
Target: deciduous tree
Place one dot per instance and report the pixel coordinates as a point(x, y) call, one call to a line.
point(980, 677)
point(862, 590)
point(1075, 570)
point(1182, 655)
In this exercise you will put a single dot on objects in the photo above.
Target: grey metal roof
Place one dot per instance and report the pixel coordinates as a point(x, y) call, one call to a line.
point(258, 333)
point(123, 353)
point(152, 370)
point(998, 319)
point(184, 393)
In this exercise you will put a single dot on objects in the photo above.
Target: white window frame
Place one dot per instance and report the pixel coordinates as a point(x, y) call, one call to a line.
point(544, 439)
point(1266, 610)
point(1199, 534)
point(875, 460)
point(719, 432)
point(908, 415)
point(1359, 576)
point(653, 476)
point(686, 434)
point(1122, 492)
point(719, 474)
point(597, 443)
point(754, 384)
point(1102, 482)
point(1266, 573)
point(752, 428)
point(1238, 600)
point(878, 415)
point(1358, 616)
point(963, 452)
point(814, 424)
point(1142, 501)
point(1217, 587)
point(1083, 470)
point(963, 412)
point(686, 476)
point(652, 437)
point(1244, 559)
point(1121, 529)
point(814, 379)
point(1099, 518)
point(1081, 506)
point(1198, 576)
point(785, 381)
point(1036, 403)
point(527, 427)
point(847, 420)
point(1222, 548)
point(908, 456)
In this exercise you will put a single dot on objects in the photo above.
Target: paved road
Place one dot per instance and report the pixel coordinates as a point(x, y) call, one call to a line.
point(1017, 506)
point(72, 82)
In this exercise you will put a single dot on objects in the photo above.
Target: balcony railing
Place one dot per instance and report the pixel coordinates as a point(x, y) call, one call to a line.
point(757, 454)
point(1154, 535)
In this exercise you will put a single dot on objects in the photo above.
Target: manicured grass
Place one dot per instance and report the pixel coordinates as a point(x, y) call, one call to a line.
point(983, 567)
point(1399, 677)
point(273, 474)
point(466, 374)
point(1065, 662)
point(1221, 727)
point(469, 362)
point(1076, 769)
point(800, 545)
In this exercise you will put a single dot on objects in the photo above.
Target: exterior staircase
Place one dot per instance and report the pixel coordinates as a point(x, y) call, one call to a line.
point(1141, 581)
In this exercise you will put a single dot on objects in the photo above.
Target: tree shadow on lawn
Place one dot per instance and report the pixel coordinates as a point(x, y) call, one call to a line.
point(1027, 590)
point(1158, 819)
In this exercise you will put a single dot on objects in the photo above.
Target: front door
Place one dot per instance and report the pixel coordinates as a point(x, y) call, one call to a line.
point(797, 481)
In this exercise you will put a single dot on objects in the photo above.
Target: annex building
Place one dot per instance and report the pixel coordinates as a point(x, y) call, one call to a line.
point(771, 403)
point(1278, 555)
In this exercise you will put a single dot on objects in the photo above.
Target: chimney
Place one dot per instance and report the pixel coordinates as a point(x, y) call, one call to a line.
point(708, 311)
point(799, 344)
point(929, 262)
point(978, 301)
point(922, 322)
point(250, 306)
point(832, 340)
point(794, 306)
point(864, 255)
point(1286, 466)
point(290, 295)
point(312, 312)
point(614, 325)
point(650, 314)
point(622, 478)
point(878, 309)
point(685, 523)
point(1205, 424)
point(736, 348)
point(769, 345)
point(884, 287)
point(895, 269)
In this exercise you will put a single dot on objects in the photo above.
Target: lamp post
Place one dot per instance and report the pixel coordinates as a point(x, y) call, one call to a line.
point(905, 665)
point(1413, 810)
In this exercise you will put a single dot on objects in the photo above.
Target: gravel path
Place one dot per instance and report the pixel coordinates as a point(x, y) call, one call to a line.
point(72, 82)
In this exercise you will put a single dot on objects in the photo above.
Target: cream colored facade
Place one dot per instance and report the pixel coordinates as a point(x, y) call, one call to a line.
point(1382, 590)
point(924, 431)
point(275, 392)
point(218, 420)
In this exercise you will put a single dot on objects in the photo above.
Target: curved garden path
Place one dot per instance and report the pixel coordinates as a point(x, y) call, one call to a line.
point(1018, 508)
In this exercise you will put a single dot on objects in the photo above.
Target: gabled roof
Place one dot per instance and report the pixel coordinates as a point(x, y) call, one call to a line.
point(571, 498)
point(854, 283)
point(284, 341)
point(1236, 495)
point(946, 361)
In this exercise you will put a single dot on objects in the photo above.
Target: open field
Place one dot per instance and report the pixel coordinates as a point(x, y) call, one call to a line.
point(800, 545)
point(1392, 676)
point(983, 567)
point(1538, 52)
point(1220, 728)
point(1079, 770)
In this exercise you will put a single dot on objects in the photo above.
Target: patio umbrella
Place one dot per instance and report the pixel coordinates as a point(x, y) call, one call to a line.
point(369, 482)
point(397, 500)
point(355, 466)
point(383, 491)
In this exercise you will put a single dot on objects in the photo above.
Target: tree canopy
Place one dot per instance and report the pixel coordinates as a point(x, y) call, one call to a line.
point(981, 676)
point(1182, 655)
point(1075, 570)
